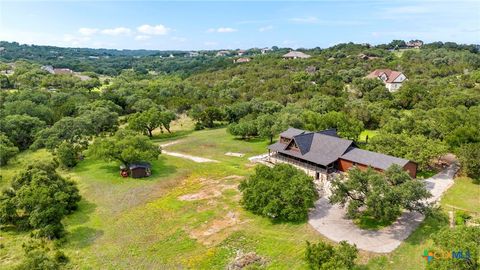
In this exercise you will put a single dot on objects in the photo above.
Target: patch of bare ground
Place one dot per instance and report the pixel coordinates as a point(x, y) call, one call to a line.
point(243, 260)
point(211, 188)
point(217, 230)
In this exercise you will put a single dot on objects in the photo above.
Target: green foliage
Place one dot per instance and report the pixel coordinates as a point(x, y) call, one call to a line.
point(76, 130)
point(40, 256)
point(280, 193)
point(323, 256)
point(245, 128)
point(126, 147)
point(381, 196)
point(469, 155)
point(38, 199)
point(347, 127)
point(416, 148)
point(21, 129)
point(7, 149)
point(67, 154)
point(146, 121)
point(460, 238)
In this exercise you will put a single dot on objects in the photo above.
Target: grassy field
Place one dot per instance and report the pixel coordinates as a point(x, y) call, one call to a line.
point(188, 214)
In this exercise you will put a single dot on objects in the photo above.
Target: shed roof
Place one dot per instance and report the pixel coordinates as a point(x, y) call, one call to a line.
point(139, 165)
point(373, 159)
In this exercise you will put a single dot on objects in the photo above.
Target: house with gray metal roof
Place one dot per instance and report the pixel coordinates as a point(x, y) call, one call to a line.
point(321, 153)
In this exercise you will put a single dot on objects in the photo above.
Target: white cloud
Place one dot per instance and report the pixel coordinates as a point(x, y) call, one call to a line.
point(159, 29)
point(142, 37)
point(222, 30)
point(87, 31)
point(72, 40)
point(265, 28)
point(116, 31)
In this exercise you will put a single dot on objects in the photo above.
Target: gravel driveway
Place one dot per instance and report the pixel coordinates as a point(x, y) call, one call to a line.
point(330, 220)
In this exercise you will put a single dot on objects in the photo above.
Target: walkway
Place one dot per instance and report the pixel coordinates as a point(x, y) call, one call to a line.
point(330, 220)
point(175, 154)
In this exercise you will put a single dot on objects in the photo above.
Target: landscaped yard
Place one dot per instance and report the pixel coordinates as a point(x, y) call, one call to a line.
point(188, 214)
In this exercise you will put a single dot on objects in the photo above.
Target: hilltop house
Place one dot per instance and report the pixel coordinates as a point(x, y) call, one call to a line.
point(393, 79)
point(242, 60)
point(414, 44)
point(223, 53)
point(323, 153)
point(295, 55)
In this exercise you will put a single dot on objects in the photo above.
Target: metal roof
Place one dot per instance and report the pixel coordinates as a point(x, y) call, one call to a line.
point(373, 159)
point(325, 147)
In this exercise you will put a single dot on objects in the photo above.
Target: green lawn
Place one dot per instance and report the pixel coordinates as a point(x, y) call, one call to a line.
point(368, 132)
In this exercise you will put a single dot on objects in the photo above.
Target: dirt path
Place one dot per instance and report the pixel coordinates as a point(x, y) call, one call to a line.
point(330, 220)
point(175, 154)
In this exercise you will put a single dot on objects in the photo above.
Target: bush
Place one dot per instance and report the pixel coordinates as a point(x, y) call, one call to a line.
point(7, 149)
point(323, 256)
point(39, 256)
point(38, 199)
point(280, 193)
point(461, 217)
point(67, 154)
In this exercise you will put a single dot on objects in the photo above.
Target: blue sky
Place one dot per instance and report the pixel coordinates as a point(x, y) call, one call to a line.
point(234, 24)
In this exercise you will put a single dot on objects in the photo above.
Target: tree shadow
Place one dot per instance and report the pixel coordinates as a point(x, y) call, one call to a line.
point(83, 236)
point(82, 214)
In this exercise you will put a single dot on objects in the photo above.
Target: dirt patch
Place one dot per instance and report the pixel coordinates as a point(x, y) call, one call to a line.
point(216, 231)
point(243, 260)
point(233, 154)
point(202, 195)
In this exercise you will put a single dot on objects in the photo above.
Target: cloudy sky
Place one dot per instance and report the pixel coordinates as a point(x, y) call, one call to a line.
point(214, 25)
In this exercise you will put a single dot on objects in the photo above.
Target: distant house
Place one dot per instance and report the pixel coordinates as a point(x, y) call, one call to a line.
point(265, 50)
point(58, 71)
point(242, 60)
point(321, 154)
point(295, 55)
point(393, 79)
point(193, 54)
point(414, 44)
point(223, 53)
point(241, 52)
point(48, 69)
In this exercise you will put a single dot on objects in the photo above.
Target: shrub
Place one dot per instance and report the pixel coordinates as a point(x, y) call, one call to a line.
point(67, 154)
point(323, 256)
point(7, 149)
point(280, 193)
point(38, 199)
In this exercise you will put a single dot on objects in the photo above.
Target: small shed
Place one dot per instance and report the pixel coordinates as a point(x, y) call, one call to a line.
point(137, 170)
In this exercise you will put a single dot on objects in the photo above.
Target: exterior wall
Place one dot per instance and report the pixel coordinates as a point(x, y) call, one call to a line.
point(392, 87)
point(345, 165)
point(411, 168)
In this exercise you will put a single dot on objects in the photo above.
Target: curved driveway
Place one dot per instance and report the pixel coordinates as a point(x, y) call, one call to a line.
point(330, 220)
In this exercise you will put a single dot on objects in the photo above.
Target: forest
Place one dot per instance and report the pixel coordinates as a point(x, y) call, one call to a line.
point(133, 97)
